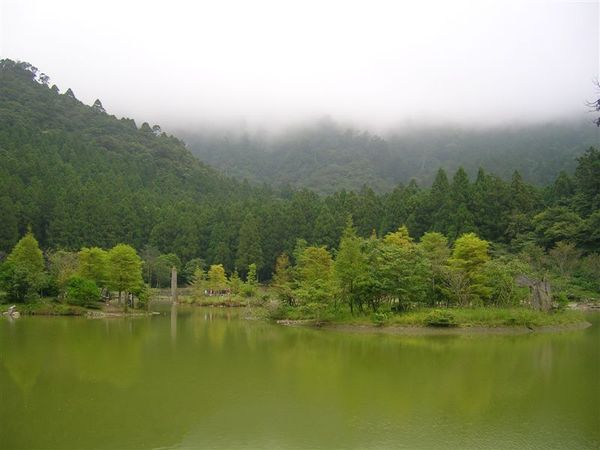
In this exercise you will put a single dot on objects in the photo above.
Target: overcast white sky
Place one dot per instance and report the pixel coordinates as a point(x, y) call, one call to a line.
point(374, 62)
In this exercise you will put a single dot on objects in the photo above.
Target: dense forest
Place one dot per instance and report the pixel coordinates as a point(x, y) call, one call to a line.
point(328, 157)
point(79, 177)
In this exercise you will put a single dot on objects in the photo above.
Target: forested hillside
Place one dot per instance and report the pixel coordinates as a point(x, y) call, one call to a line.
point(328, 157)
point(80, 177)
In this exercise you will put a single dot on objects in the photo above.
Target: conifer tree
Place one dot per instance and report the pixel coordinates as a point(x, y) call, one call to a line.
point(461, 219)
point(22, 275)
point(249, 248)
point(27, 256)
point(439, 202)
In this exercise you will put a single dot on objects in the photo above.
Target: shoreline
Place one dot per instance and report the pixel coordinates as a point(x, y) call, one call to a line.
point(412, 329)
point(417, 330)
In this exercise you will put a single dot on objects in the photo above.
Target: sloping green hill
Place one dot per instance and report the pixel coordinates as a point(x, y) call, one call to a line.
point(78, 175)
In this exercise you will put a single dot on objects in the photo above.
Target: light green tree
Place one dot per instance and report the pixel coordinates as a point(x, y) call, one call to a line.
point(198, 283)
point(350, 267)
point(434, 247)
point(93, 265)
point(402, 271)
point(252, 278)
point(465, 275)
point(27, 258)
point(217, 280)
point(282, 279)
point(314, 271)
point(124, 269)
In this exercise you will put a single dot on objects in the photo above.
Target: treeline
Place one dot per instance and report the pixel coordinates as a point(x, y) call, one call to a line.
point(82, 178)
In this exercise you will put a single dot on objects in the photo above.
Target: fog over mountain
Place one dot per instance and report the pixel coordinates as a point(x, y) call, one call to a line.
point(269, 64)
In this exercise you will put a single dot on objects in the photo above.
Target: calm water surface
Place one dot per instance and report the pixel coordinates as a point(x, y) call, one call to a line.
point(210, 379)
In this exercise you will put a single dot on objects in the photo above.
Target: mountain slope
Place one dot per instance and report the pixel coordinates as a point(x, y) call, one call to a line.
point(72, 170)
point(327, 157)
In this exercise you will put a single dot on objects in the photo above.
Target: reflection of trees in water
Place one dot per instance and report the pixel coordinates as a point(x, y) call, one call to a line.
point(274, 383)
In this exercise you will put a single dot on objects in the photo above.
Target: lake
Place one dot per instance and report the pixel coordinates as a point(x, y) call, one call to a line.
point(201, 378)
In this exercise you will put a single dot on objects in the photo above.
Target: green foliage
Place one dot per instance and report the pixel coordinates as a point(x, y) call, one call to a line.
point(251, 277)
point(249, 249)
point(350, 268)
point(85, 180)
point(379, 318)
point(282, 279)
point(199, 283)
point(23, 274)
point(190, 267)
point(62, 265)
point(587, 180)
point(217, 280)
point(440, 318)
point(9, 232)
point(402, 270)
point(124, 268)
point(81, 292)
point(328, 157)
point(565, 258)
point(162, 269)
point(500, 277)
point(434, 247)
point(314, 275)
point(556, 224)
point(15, 281)
point(93, 265)
point(465, 278)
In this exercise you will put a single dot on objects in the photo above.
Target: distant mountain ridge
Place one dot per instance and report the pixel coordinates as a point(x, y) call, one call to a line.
point(328, 157)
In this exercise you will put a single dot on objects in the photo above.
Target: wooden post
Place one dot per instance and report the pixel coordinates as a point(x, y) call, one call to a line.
point(174, 284)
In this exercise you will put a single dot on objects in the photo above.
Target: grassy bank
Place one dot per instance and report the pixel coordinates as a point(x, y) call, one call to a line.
point(46, 307)
point(429, 317)
point(52, 307)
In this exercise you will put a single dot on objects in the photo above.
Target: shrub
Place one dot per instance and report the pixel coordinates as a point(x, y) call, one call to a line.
point(379, 318)
point(81, 291)
point(440, 318)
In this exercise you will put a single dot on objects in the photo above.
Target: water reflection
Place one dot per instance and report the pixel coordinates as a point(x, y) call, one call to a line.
point(173, 321)
point(195, 378)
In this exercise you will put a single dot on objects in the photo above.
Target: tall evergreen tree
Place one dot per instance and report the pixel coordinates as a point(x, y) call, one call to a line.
point(249, 248)
point(462, 219)
point(439, 203)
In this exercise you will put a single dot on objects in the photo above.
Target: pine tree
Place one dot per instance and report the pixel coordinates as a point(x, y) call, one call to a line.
point(461, 219)
point(9, 232)
point(249, 248)
point(439, 202)
point(282, 279)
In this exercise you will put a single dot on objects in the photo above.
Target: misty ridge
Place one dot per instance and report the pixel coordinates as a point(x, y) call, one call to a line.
point(327, 156)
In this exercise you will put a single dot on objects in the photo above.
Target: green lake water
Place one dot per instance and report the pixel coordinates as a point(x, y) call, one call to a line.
point(199, 378)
